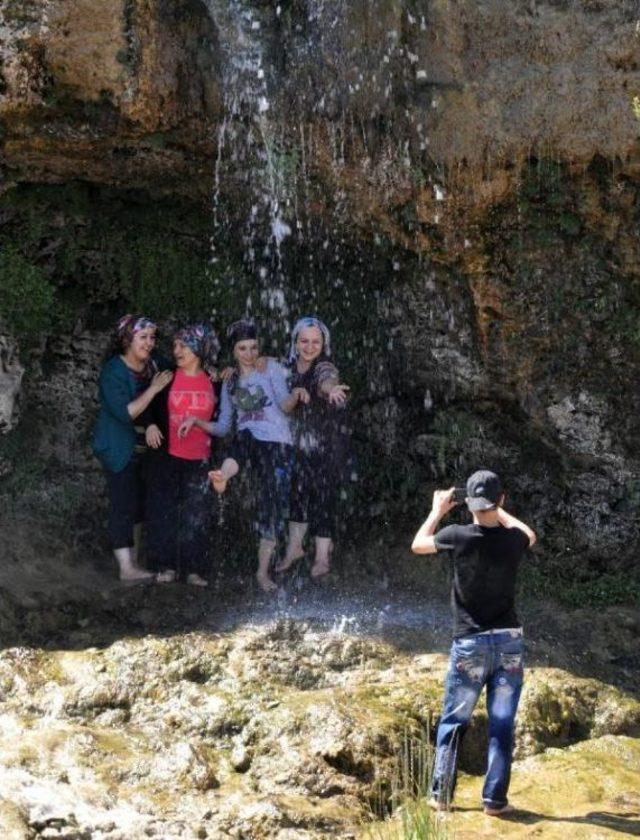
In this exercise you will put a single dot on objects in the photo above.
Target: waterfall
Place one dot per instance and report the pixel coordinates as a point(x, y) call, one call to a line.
point(248, 137)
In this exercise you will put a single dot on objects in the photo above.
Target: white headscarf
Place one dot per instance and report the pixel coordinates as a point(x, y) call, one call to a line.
point(303, 324)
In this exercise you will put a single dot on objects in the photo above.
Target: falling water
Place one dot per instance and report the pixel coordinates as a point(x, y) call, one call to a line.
point(249, 140)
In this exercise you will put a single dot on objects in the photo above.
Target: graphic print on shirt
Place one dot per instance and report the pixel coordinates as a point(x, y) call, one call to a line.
point(251, 400)
point(182, 404)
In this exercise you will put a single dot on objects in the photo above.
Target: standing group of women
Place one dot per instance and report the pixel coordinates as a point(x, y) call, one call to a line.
point(285, 422)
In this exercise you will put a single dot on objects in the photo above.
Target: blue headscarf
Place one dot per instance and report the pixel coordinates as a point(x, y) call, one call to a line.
point(303, 324)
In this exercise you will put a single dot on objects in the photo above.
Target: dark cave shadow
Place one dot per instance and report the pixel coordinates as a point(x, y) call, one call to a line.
point(134, 611)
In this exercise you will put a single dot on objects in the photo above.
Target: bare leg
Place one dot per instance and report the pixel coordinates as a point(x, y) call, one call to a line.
point(220, 477)
point(265, 551)
point(295, 551)
point(129, 570)
point(137, 539)
point(322, 561)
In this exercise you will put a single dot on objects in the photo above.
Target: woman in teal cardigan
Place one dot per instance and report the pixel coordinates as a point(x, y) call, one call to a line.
point(129, 380)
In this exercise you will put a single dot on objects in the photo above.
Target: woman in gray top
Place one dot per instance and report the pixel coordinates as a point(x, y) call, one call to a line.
point(258, 401)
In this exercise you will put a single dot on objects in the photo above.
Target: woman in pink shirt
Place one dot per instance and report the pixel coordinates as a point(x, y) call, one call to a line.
point(179, 518)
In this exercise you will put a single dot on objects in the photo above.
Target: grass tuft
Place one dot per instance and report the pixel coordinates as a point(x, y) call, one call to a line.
point(401, 810)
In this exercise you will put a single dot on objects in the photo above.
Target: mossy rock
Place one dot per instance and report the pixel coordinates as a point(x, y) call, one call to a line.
point(584, 791)
point(557, 710)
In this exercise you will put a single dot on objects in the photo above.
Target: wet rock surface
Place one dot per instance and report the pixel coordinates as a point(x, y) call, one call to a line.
point(276, 721)
point(11, 373)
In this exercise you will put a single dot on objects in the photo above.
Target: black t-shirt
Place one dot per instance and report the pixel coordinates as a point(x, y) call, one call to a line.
point(485, 567)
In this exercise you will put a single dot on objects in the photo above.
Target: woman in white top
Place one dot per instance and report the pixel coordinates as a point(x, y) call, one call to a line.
point(258, 401)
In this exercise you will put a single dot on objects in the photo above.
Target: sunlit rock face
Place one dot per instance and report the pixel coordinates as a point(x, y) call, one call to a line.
point(111, 82)
point(11, 373)
point(466, 85)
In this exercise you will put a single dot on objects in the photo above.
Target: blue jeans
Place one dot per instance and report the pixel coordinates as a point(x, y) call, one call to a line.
point(495, 660)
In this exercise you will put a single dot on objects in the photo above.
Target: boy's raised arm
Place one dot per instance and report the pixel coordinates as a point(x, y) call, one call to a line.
point(423, 542)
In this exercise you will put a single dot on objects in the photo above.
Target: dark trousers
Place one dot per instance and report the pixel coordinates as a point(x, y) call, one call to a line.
point(179, 515)
point(271, 463)
point(313, 493)
point(126, 501)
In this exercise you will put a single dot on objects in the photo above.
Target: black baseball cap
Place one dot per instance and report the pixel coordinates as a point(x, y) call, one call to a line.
point(484, 490)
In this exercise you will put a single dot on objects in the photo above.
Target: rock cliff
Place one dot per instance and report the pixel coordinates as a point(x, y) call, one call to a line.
point(454, 185)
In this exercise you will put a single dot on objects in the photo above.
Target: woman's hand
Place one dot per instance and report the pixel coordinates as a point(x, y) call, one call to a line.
point(186, 426)
point(153, 436)
point(227, 373)
point(161, 380)
point(338, 394)
point(301, 395)
point(262, 362)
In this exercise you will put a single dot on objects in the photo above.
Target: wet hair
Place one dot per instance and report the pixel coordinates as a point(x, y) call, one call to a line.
point(243, 330)
point(303, 324)
point(202, 340)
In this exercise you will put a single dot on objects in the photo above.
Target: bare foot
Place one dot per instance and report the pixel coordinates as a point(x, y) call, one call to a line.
point(319, 570)
point(218, 480)
point(134, 574)
point(168, 576)
point(266, 584)
point(283, 565)
point(438, 805)
point(196, 580)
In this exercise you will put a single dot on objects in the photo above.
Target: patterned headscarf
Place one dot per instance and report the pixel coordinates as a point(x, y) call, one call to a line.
point(303, 324)
point(129, 325)
point(202, 340)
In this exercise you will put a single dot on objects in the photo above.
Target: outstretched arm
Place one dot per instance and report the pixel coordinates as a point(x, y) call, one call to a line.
point(298, 395)
point(335, 393)
point(510, 521)
point(221, 427)
point(189, 422)
point(330, 386)
point(423, 542)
